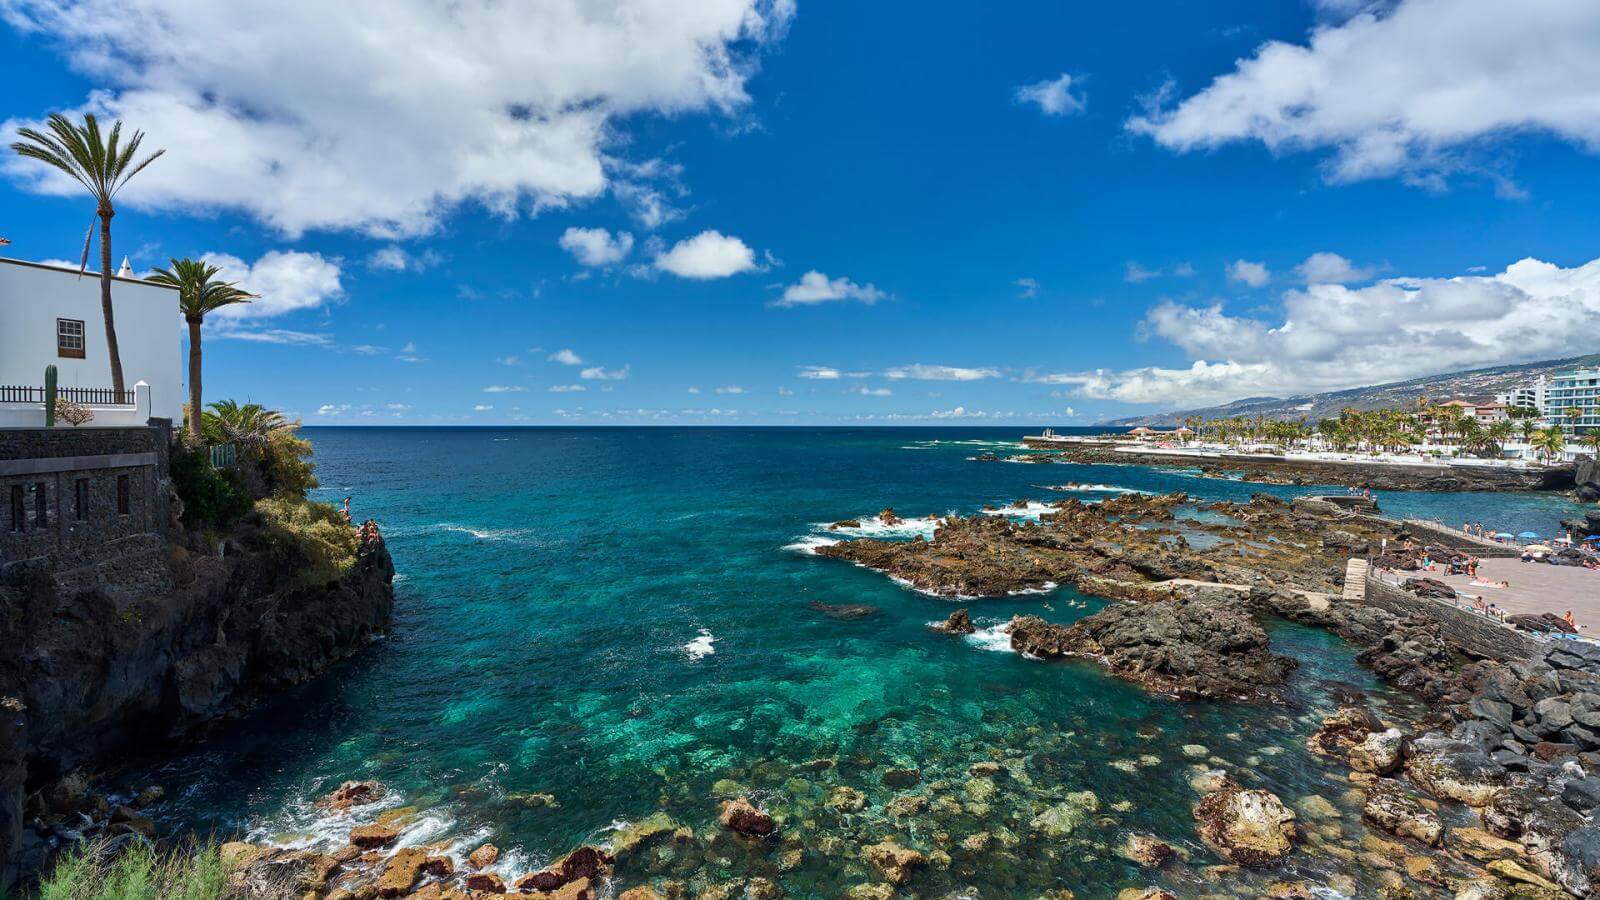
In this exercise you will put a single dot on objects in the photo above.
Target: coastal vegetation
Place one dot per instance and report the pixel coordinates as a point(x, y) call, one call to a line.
point(104, 165)
point(135, 870)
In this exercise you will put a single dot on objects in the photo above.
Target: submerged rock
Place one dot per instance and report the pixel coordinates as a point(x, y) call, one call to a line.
point(741, 817)
point(844, 610)
point(896, 864)
point(1248, 827)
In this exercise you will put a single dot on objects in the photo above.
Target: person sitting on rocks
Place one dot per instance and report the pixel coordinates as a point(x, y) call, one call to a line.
point(1570, 620)
point(345, 511)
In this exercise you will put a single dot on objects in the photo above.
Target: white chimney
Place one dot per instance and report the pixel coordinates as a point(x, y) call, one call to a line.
point(126, 271)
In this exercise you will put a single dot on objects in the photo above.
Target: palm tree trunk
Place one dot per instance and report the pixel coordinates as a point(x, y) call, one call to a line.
point(194, 376)
point(105, 300)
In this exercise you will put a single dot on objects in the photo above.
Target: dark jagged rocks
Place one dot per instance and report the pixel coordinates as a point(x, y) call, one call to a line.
point(844, 610)
point(959, 622)
point(1191, 648)
point(97, 674)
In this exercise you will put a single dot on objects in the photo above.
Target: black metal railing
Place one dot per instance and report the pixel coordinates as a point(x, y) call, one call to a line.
point(14, 393)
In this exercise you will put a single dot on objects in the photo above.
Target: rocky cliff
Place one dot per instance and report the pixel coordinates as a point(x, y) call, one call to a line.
point(93, 674)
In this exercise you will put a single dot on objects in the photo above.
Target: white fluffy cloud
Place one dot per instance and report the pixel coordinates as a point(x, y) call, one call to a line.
point(600, 373)
point(504, 389)
point(709, 254)
point(1415, 88)
point(381, 115)
point(566, 388)
point(596, 246)
point(1253, 274)
point(1053, 96)
point(865, 391)
point(821, 373)
point(282, 280)
point(921, 372)
point(1331, 268)
point(566, 358)
point(730, 389)
point(815, 288)
point(395, 258)
point(1332, 336)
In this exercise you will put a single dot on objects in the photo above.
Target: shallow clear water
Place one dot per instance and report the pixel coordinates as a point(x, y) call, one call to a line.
point(558, 590)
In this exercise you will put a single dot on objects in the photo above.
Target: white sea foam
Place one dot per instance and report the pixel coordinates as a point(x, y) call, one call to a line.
point(874, 527)
point(1032, 510)
point(996, 638)
point(810, 543)
point(1045, 588)
point(1092, 488)
point(700, 647)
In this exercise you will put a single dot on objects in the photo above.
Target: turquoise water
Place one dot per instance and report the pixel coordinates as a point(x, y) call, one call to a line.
point(557, 589)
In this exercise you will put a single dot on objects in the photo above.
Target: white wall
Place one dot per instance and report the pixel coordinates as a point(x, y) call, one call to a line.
point(149, 331)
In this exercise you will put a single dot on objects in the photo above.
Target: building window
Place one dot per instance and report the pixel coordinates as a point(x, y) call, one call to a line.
point(80, 499)
point(41, 506)
point(19, 510)
point(123, 503)
point(69, 338)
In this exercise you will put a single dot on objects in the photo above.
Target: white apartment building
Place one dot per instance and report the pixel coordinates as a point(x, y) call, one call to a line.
point(50, 315)
point(1573, 390)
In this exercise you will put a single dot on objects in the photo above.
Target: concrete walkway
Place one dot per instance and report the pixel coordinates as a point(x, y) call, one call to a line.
point(1535, 588)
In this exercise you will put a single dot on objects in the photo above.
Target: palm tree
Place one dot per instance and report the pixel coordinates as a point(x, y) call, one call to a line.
point(1592, 438)
point(1552, 442)
point(1498, 433)
point(103, 165)
point(250, 425)
point(199, 292)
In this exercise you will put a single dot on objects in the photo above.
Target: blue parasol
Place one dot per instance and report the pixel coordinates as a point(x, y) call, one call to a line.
point(1504, 535)
point(1528, 534)
point(1592, 540)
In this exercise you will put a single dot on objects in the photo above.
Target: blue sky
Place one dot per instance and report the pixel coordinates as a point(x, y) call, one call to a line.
point(837, 213)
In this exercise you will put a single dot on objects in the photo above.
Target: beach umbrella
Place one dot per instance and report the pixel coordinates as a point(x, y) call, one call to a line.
point(1537, 548)
point(1505, 535)
point(1592, 540)
point(1528, 534)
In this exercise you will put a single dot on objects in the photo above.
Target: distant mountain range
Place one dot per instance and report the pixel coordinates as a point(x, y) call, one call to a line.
point(1477, 384)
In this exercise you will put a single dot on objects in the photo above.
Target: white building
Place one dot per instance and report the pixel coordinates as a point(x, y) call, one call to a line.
point(51, 315)
point(1573, 390)
point(1530, 395)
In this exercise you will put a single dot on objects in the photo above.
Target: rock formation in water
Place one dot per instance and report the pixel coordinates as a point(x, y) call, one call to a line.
point(1201, 648)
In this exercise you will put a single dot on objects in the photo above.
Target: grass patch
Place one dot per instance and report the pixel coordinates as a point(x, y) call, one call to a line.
point(137, 871)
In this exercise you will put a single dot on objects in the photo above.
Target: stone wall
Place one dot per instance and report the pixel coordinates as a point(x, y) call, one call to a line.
point(82, 505)
point(1476, 635)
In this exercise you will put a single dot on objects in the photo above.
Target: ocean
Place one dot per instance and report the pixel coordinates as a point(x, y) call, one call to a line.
point(622, 618)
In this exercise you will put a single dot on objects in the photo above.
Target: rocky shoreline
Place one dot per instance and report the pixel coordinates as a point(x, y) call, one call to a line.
point(95, 676)
point(1274, 470)
point(1511, 735)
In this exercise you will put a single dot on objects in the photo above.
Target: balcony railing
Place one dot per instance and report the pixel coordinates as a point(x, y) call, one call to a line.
point(12, 393)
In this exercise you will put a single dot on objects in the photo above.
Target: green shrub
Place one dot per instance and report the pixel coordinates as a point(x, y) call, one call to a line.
point(136, 872)
point(212, 498)
point(310, 539)
point(284, 458)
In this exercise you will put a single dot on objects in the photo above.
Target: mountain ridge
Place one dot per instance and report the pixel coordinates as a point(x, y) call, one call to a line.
point(1466, 384)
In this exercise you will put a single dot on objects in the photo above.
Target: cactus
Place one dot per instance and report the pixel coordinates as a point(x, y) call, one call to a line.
point(49, 396)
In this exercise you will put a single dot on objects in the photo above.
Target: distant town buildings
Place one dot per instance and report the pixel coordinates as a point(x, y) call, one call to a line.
point(1570, 400)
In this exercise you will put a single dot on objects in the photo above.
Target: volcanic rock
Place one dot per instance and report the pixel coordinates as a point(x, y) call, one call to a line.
point(1191, 648)
point(1248, 827)
point(739, 816)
